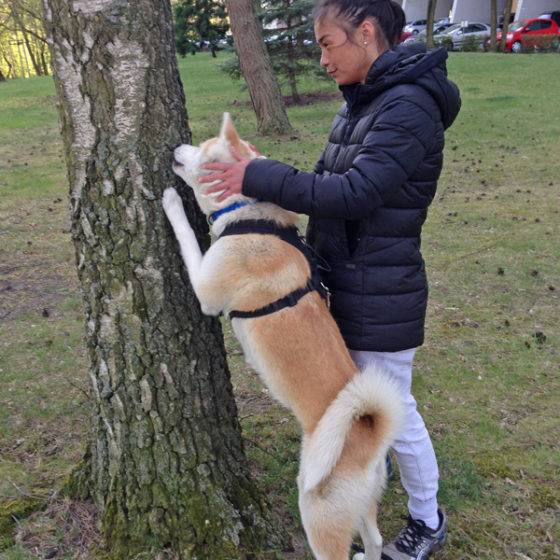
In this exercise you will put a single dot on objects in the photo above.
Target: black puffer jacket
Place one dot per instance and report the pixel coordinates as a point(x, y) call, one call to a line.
point(368, 197)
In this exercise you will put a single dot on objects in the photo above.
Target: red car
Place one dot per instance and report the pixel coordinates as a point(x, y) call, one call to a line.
point(405, 35)
point(529, 33)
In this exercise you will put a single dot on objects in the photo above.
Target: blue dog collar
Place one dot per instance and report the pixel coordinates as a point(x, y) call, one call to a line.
point(227, 209)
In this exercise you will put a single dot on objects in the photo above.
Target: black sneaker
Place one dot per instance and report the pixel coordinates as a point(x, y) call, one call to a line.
point(416, 541)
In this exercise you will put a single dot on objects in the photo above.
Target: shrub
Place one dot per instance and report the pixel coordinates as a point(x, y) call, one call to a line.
point(472, 43)
point(444, 42)
point(541, 43)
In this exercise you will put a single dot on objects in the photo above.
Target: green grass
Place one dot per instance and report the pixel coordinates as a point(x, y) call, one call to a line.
point(487, 379)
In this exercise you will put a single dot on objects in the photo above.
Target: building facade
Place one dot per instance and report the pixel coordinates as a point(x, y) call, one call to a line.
point(476, 10)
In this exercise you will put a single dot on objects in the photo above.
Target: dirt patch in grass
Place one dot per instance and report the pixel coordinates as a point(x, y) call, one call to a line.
point(309, 98)
point(304, 99)
point(33, 286)
point(37, 269)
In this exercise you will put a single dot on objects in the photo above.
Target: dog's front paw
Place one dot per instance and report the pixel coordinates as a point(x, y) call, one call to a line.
point(171, 200)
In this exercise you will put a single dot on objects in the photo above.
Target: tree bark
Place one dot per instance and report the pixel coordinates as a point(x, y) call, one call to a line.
point(507, 15)
point(165, 465)
point(493, 24)
point(256, 68)
point(430, 24)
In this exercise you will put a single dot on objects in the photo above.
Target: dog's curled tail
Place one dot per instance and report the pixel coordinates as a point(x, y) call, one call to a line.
point(369, 393)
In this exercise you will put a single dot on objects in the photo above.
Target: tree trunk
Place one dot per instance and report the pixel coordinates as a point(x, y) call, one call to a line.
point(507, 15)
point(166, 465)
point(493, 23)
point(256, 68)
point(430, 24)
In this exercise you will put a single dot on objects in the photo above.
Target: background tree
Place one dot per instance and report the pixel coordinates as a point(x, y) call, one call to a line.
point(22, 39)
point(493, 24)
point(166, 465)
point(507, 17)
point(256, 68)
point(430, 23)
point(199, 24)
point(290, 40)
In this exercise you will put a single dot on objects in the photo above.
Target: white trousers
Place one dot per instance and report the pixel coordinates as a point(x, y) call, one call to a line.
point(413, 449)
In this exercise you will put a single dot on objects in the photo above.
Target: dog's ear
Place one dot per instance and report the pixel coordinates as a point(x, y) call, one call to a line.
point(229, 135)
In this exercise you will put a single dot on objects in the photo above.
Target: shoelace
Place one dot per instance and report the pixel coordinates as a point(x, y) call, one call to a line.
point(411, 536)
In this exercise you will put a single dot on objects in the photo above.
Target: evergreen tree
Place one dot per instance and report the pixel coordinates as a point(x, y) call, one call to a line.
point(290, 39)
point(199, 24)
point(255, 67)
point(290, 42)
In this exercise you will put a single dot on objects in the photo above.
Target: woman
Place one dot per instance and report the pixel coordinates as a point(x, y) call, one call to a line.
point(367, 201)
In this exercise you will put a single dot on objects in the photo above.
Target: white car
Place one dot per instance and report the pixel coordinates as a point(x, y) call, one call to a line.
point(459, 33)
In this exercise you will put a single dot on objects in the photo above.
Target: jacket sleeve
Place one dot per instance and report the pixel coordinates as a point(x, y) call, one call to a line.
point(396, 144)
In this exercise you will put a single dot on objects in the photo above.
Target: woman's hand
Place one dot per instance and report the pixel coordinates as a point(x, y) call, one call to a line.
point(229, 175)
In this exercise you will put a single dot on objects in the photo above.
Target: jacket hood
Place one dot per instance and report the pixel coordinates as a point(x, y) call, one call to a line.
point(410, 64)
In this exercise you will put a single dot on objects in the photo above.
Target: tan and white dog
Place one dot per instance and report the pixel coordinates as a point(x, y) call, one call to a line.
point(348, 418)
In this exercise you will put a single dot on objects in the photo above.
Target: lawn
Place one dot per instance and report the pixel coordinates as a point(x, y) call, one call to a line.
point(487, 379)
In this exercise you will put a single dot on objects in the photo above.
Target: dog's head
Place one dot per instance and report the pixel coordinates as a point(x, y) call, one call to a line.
point(189, 160)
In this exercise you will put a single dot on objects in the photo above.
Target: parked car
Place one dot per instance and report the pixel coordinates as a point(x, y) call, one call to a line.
point(405, 35)
point(554, 16)
point(422, 36)
point(414, 27)
point(526, 33)
point(440, 27)
point(456, 35)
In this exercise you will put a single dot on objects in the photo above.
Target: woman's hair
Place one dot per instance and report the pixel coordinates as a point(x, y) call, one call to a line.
point(387, 15)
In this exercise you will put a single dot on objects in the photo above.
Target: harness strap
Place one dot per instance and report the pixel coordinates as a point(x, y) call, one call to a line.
point(288, 301)
point(292, 236)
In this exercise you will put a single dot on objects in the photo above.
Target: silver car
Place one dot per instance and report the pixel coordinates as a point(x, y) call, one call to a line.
point(459, 33)
point(415, 26)
point(422, 36)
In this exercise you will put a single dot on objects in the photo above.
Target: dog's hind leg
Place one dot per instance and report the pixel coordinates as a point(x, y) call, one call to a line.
point(328, 535)
point(329, 519)
point(371, 537)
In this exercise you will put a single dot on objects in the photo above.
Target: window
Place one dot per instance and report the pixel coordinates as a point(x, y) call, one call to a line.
point(473, 27)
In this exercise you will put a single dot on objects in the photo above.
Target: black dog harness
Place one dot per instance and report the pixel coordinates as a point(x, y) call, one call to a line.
point(292, 236)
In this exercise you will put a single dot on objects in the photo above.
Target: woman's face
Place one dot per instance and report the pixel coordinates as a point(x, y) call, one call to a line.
point(347, 58)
